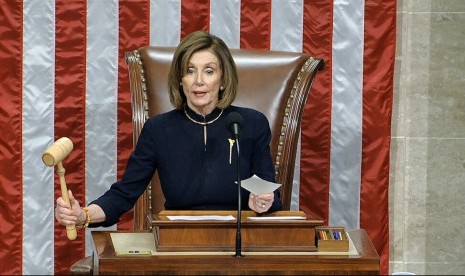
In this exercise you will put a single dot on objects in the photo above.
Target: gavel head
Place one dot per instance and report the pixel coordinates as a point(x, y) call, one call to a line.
point(57, 151)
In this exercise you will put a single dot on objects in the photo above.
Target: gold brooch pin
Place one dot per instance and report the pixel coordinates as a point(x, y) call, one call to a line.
point(231, 144)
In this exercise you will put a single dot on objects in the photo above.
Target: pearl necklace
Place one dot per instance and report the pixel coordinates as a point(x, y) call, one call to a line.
point(202, 123)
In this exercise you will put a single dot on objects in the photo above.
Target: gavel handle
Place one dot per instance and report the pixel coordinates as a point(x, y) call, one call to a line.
point(70, 229)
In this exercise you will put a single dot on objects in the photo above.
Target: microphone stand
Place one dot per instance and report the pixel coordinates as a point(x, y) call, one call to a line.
point(238, 232)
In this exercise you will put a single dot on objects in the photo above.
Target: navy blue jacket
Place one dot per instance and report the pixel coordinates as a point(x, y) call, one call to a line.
point(193, 175)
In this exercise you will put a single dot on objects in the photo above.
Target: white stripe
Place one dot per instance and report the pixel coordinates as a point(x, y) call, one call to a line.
point(225, 17)
point(346, 126)
point(101, 100)
point(295, 193)
point(286, 25)
point(165, 22)
point(286, 35)
point(38, 134)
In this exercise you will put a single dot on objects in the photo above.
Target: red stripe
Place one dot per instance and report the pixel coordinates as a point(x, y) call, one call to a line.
point(195, 15)
point(70, 95)
point(255, 24)
point(11, 188)
point(316, 122)
point(380, 38)
point(134, 32)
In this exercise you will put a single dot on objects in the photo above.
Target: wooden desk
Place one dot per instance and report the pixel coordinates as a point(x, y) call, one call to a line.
point(291, 235)
point(106, 261)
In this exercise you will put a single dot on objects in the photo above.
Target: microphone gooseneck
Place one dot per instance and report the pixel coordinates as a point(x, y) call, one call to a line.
point(234, 122)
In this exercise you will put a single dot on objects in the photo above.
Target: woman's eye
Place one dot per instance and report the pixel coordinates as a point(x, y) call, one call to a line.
point(209, 72)
point(190, 71)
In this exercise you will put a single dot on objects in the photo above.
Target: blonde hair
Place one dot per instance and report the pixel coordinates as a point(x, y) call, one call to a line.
point(192, 43)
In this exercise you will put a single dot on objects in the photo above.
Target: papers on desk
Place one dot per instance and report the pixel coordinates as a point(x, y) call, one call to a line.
point(258, 186)
point(224, 218)
point(278, 218)
point(229, 218)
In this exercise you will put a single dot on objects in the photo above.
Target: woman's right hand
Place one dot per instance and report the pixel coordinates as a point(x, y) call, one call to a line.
point(67, 214)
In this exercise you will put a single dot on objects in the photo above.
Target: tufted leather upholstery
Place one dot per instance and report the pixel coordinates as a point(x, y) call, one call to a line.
point(275, 83)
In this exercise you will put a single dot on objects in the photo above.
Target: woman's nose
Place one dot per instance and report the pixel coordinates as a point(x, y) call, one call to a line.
point(198, 79)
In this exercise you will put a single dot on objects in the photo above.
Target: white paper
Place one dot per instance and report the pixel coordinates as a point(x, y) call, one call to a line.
point(229, 217)
point(133, 243)
point(278, 218)
point(259, 186)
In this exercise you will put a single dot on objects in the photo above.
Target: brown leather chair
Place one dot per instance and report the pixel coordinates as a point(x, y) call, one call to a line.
point(275, 83)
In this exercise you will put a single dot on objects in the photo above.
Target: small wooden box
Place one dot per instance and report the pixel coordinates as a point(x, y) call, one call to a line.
point(332, 239)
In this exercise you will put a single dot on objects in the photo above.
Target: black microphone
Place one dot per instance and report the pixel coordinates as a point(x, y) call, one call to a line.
point(234, 122)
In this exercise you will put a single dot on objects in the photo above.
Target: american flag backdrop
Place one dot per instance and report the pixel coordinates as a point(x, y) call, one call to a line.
point(62, 73)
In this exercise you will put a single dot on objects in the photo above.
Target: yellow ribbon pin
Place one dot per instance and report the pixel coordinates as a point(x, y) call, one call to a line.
point(231, 144)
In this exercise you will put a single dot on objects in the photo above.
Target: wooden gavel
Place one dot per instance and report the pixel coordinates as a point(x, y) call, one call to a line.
point(53, 156)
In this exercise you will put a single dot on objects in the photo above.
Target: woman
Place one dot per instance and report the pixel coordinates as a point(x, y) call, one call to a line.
point(190, 146)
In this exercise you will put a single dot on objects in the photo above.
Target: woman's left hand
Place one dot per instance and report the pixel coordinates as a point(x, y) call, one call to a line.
point(261, 203)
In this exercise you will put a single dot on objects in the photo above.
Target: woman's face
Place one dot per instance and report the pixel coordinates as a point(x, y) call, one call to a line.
point(201, 83)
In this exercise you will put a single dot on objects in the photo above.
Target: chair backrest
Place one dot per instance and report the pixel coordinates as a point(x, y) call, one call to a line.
point(275, 83)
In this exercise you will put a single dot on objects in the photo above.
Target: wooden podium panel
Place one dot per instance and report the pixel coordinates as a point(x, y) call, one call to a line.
point(294, 232)
point(366, 262)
